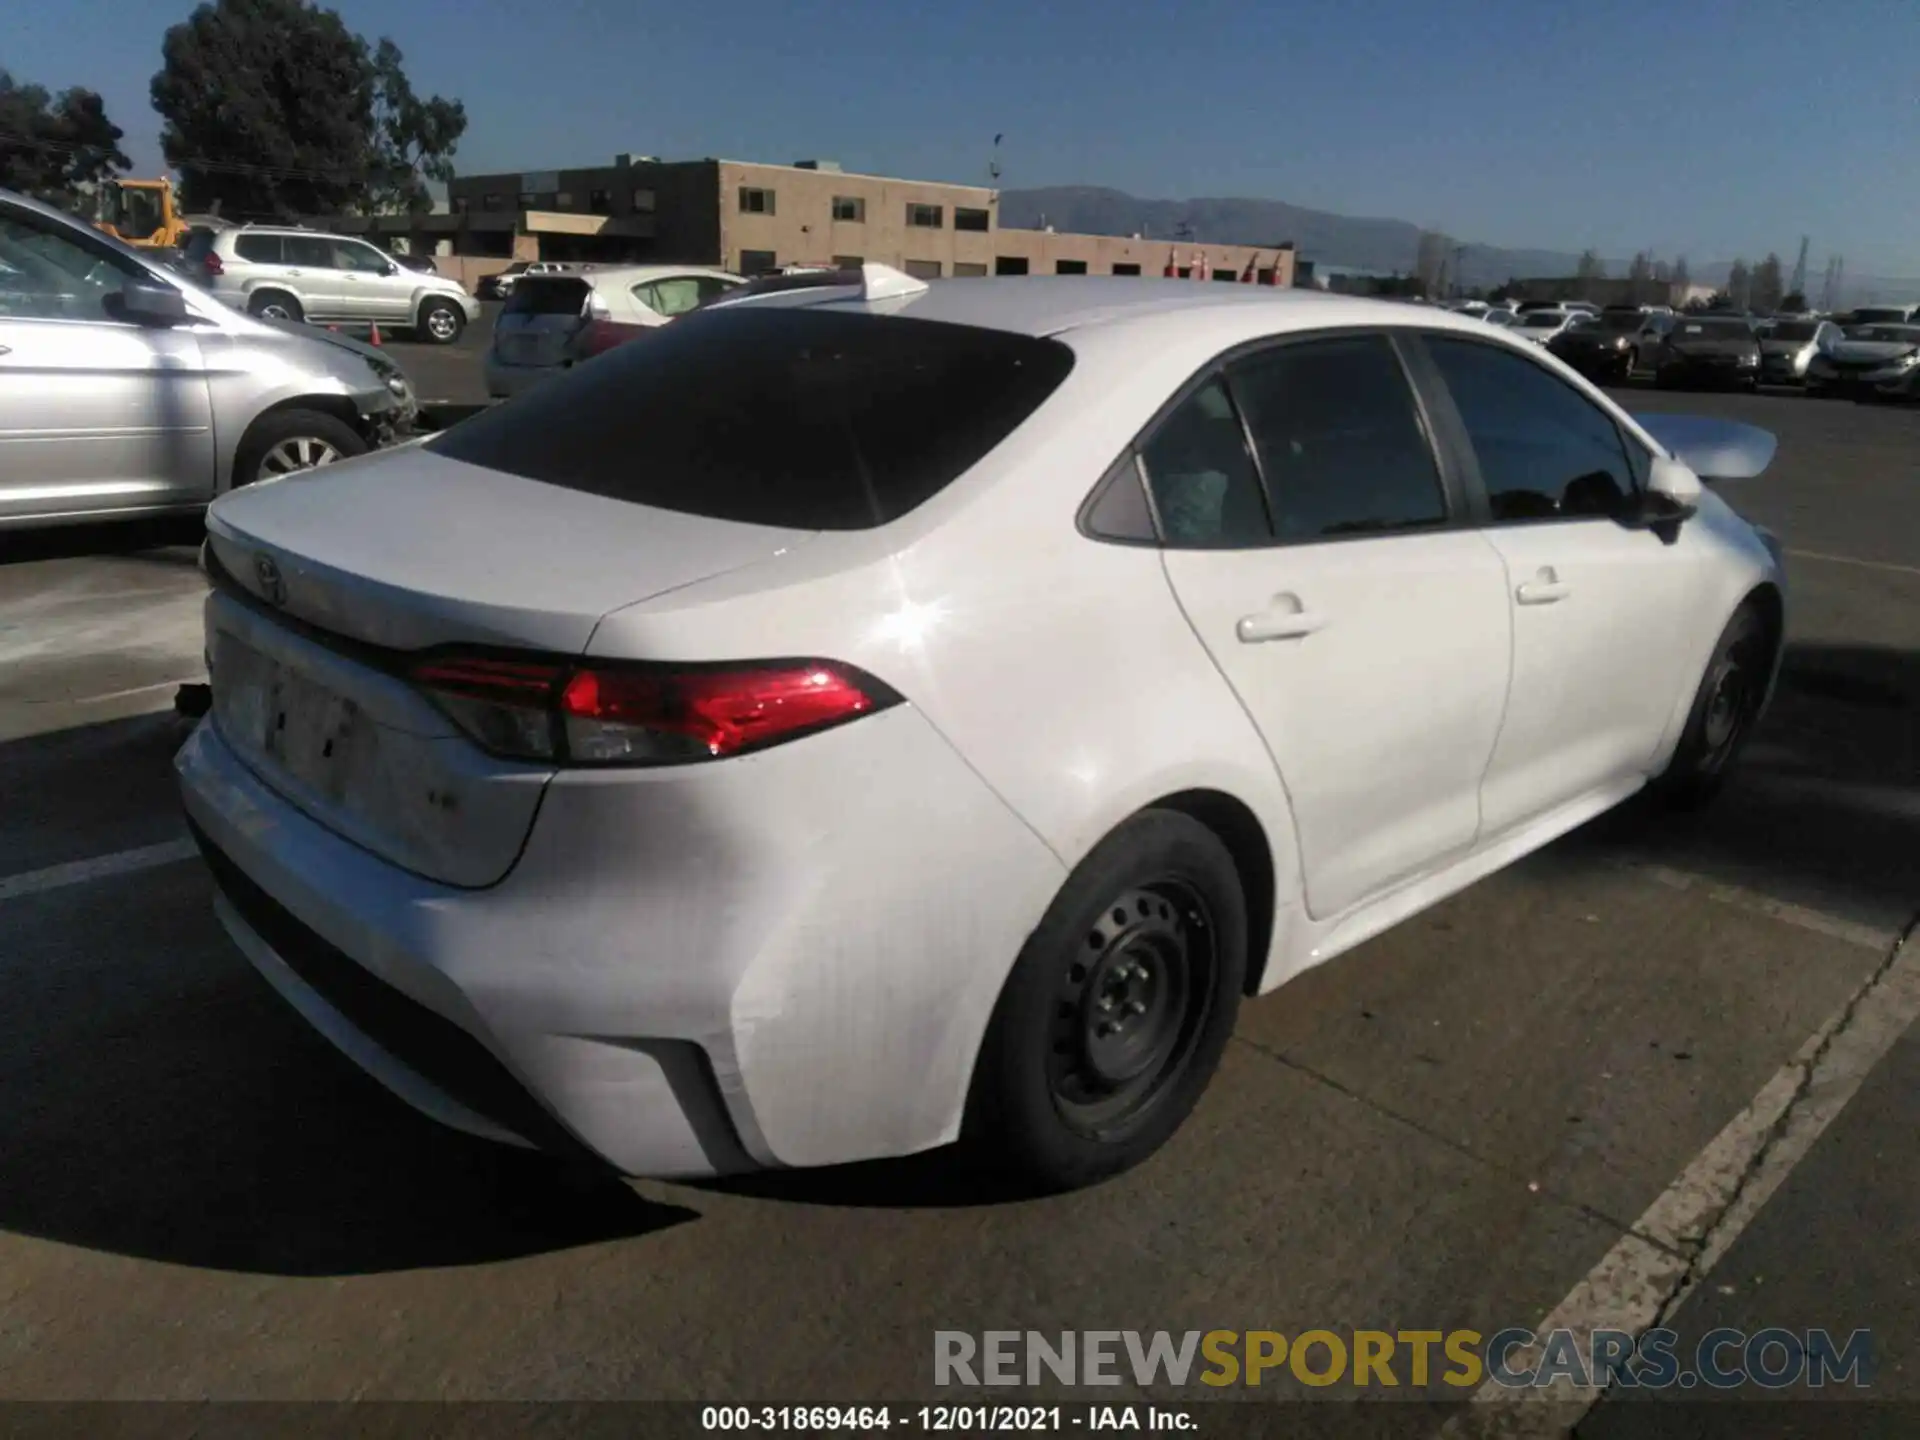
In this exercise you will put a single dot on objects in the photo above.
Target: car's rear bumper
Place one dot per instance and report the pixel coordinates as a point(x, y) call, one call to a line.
point(767, 961)
point(506, 381)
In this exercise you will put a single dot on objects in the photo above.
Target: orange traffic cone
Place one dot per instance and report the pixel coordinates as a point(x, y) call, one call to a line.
point(373, 338)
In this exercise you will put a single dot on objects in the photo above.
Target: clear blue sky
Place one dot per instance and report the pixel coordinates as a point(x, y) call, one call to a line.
point(1705, 127)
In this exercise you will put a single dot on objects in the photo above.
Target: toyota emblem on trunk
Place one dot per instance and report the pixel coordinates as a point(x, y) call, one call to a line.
point(268, 574)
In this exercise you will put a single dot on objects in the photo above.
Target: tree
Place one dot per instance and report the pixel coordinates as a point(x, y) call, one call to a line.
point(275, 107)
point(1767, 285)
point(57, 149)
point(1793, 303)
point(1430, 260)
point(1739, 285)
point(1640, 278)
point(1589, 269)
point(1681, 281)
point(415, 139)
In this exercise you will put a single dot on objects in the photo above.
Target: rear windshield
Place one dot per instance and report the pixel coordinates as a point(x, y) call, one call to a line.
point(799, 418)
point(547, 295)
point(1794, 330)
point(199, 242)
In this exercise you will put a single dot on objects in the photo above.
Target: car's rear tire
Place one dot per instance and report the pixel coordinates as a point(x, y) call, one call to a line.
point(1725, 708)
point(275, 305)
point(284, 442)
point(1117, 1010)
point(440, 321)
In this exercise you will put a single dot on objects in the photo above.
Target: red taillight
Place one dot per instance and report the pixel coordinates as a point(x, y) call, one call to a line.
point(644, 715)
point(597, 337)
point(214, 265)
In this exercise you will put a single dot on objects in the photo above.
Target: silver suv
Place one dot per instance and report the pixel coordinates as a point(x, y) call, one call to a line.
point(126, 391)
point(288, 273)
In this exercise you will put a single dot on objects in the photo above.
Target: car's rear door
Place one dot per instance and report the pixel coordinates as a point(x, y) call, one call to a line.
point(1324, 559)
point(1594, 597)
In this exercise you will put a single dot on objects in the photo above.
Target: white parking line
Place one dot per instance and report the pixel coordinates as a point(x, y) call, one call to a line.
point(79, 872)
point(1850, 560)
point(1819, 921)
point(1673, 1247)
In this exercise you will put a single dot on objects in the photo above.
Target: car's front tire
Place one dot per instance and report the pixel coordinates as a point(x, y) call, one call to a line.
point(1725, 709)
point(284, 442)
point(441, 321)
point(1117, 1010)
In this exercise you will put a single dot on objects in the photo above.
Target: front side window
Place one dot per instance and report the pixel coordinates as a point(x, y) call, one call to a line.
point(1202, 476)
point(361, 259)
point(1545, 451)
point(45, 275)
point(1339, 439)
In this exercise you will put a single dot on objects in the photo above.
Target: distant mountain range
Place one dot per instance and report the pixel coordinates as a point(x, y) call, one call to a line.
point(1364, 243)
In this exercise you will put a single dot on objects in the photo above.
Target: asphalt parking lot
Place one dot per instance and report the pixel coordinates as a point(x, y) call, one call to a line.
point(1453, 1126)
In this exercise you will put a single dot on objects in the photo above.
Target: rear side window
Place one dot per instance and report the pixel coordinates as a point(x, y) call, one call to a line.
point(1201, 473)
point(547, 295)
point(261, 249)
point(1339, 439)
point(199, 244)
point(796, 418)
point(309, 250)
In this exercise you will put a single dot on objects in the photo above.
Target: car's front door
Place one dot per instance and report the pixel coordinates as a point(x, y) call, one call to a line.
point(96, 414)
point(1327, 573)
point(1595, 597)
point(372, 287)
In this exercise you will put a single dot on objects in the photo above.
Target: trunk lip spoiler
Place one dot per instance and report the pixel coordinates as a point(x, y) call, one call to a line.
point(1714, 449)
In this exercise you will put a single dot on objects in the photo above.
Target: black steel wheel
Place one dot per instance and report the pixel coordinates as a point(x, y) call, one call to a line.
point(1118, 1007)
point(1726, 708)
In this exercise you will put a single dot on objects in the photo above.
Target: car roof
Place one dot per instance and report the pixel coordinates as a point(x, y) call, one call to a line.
point(1054, 304)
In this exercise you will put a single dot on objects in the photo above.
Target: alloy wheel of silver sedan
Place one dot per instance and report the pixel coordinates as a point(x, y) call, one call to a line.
point(297, 452)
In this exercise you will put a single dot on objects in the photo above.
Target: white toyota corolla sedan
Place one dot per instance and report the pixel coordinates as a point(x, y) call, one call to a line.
point(872, 714)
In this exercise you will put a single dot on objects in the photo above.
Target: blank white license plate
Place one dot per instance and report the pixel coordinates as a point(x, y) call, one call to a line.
point(288, 719)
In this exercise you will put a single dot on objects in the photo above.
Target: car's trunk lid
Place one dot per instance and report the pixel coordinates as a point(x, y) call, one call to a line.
point(542, 315)
point(327, 587)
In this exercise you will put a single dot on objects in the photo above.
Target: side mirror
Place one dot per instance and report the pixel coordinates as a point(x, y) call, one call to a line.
point(1672, 494)
point(148, 303)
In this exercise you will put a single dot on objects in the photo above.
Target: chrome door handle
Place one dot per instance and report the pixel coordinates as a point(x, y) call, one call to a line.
point(1542, 592)
point(1279, 624)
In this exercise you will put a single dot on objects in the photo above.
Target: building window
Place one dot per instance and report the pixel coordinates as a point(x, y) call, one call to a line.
point(1267, 275)
point(755, 202)
point(1226, 273)
point(600, 202)
point(526, 199)
point(970, 219)
point(850, 208)
point(1123, 269)
point(459, 205)
point(1010, 265)
point(923, 269)
point(962, 268)
point(756, 262)
point(926, 217)
point(563, 199)
point(1069, 267)
point(492, 202)
point(848, 262)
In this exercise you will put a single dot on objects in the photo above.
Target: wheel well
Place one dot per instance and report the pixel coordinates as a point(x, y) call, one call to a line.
point(337, 406)
point(281, 291)
point(1246, 841)
point(1767, 600)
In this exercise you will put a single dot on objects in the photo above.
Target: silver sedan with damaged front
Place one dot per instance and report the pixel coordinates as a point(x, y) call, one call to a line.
point(126, 392)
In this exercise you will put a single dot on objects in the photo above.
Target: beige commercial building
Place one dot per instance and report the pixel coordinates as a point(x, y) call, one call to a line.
point(751, 217)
